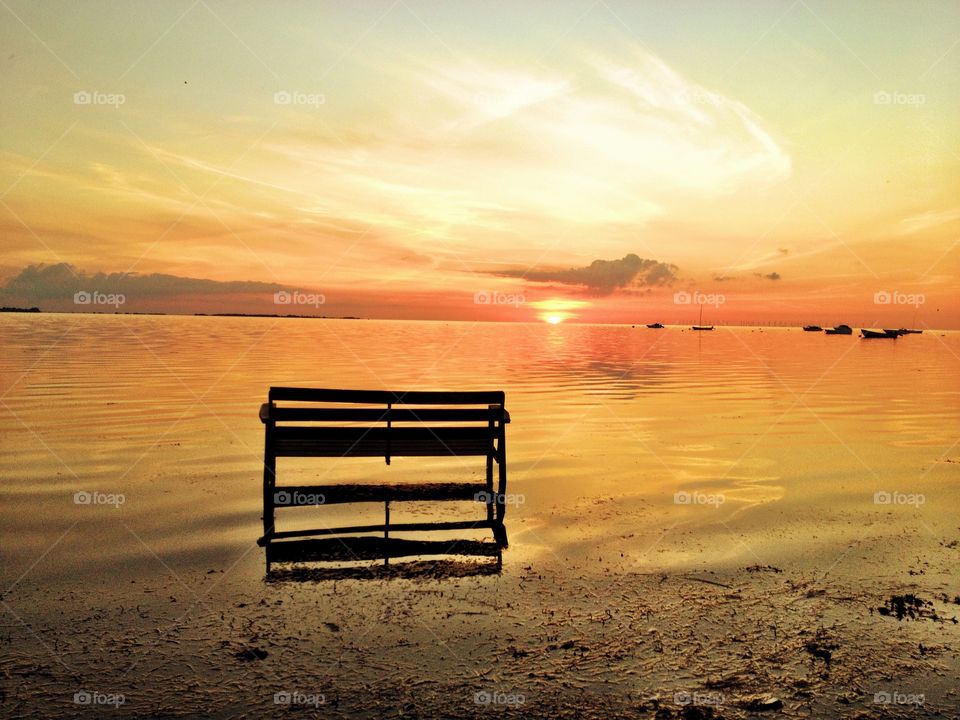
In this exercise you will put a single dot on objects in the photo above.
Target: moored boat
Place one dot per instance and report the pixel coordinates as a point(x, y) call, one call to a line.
point(655, 326)
point(839, 330)
point(878, 334)
point(812, 328)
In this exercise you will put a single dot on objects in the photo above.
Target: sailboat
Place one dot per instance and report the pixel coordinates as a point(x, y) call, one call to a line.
point(908, 331)
point(700, 325)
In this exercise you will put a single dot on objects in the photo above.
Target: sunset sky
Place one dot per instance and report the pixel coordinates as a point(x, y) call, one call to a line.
point(794, 161)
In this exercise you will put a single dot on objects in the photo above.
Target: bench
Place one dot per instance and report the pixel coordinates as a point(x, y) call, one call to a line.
point(308, 422)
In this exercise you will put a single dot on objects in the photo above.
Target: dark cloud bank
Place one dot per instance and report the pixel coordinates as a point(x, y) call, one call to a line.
point(61, 281)
point(603, 276)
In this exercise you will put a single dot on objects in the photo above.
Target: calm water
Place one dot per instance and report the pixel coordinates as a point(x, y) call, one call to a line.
point(783, 436)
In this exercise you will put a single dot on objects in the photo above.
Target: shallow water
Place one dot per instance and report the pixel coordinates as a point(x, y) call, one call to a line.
point(614, 598)
point(768, 431)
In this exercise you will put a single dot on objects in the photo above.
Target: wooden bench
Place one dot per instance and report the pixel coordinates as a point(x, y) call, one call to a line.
point(307, 422)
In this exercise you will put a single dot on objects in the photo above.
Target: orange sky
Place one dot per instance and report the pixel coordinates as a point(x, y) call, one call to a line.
point(793, 162)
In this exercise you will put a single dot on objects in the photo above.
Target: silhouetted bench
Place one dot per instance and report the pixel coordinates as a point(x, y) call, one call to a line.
point(307, 422)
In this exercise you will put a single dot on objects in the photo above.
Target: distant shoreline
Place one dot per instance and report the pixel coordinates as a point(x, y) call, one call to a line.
point(638, 325)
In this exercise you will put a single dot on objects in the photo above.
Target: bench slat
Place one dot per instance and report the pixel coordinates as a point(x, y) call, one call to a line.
point(386, 396)
point(309, 414)
point(479, 524)
point(351, 493)
point(373, 442)
point(374, 548)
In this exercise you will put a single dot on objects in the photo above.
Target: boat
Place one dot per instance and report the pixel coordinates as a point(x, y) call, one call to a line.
point(893, 333)
point(655, 326)
point(907, 331)
point(701, 326)
point(812, 328)
point(839, 330)
point(879, 334)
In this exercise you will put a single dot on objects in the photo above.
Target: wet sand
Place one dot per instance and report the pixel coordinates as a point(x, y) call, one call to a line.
point(545, 640)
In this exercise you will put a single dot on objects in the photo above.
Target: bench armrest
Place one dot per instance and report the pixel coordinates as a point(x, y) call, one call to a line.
point(265, 413)
point(506, 415)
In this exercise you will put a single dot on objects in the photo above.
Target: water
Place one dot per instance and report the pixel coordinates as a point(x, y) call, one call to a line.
point(776, 439)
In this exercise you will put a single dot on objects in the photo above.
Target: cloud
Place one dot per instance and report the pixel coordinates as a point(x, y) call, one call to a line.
point(618, 138)
point(602, 276)
point(927, 220)
point(62, 281)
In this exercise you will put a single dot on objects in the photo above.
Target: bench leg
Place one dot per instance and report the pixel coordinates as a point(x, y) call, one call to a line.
point(386, 532)
point(269, 486)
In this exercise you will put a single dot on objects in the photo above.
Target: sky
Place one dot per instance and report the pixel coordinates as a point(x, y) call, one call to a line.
point(565, 161)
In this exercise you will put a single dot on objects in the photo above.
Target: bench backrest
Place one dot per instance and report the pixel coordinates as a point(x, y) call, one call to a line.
point(313, 422)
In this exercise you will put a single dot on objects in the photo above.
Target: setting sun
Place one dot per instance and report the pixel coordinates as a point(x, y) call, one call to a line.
point(556, 311)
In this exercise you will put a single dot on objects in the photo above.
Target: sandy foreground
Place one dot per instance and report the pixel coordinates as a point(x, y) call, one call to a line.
point(586, 636)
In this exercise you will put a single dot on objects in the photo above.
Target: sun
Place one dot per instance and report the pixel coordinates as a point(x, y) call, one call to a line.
point(557, 310)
